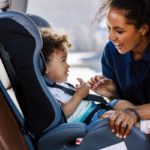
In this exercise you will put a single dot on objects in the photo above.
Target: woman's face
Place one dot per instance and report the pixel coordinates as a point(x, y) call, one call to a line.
point(126, 37)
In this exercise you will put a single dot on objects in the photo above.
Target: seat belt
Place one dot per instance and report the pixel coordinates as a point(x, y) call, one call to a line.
point(91, 97)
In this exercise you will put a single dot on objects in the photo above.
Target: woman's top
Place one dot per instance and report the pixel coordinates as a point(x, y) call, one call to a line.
point(131, 77)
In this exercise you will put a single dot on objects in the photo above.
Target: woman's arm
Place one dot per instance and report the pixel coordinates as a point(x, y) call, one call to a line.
point(123, 104)
point(143, 111)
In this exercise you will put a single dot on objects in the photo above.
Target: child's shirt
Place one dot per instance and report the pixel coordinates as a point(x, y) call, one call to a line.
point(82, 111)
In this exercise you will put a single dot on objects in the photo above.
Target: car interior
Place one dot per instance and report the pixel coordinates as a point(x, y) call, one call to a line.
point(31, 118)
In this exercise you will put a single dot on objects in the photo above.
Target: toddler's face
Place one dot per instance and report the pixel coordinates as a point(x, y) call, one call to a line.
point(57, 67)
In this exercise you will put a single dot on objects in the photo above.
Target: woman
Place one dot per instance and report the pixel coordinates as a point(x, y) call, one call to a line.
point(126, 64)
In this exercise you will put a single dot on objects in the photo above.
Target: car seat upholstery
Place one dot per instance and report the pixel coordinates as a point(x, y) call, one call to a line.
point(42, 113)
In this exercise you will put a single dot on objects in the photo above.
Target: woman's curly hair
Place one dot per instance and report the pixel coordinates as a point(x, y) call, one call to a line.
point(137, 12)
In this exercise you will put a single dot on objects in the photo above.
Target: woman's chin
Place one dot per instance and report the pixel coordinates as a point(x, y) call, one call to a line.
point(121, 51)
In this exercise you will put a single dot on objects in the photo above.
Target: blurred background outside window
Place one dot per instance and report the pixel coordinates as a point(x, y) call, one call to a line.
point(76, 17)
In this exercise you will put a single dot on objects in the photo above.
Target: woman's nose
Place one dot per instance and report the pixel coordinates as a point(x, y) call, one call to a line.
point(112, 37)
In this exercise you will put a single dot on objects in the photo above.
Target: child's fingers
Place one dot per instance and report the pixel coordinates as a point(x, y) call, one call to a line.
point(77, 86)
point(81, 81)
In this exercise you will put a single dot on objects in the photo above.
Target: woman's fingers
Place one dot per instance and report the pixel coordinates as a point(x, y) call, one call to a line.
point(123, 128)
point(96, 81)
point(128, 129)
point(107, 114)
point(112, 120)
point(121, 123)
point(118, 123)
point(91, 83)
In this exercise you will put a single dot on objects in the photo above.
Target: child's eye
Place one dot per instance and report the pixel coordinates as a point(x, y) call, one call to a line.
point(64, 60)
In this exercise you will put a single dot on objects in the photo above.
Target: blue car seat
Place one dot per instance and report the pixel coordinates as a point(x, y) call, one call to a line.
point(43, 123)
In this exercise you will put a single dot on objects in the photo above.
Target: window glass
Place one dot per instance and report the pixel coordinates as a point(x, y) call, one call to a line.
point(76, 17)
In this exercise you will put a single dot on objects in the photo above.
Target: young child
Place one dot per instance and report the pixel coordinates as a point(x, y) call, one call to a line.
point(55, 49)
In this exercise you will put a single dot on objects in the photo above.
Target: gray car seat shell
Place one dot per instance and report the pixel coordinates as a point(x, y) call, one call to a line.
point(42, 113)
point(39, 21)
point(27, 37)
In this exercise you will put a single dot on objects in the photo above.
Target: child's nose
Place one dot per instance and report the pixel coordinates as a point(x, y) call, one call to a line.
point(68, 66)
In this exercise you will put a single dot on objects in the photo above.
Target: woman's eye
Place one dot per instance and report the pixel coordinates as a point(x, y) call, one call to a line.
point(108, 29)
point(120, 32)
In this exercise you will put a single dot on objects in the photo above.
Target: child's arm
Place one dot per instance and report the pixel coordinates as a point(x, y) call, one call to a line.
point(81, 92)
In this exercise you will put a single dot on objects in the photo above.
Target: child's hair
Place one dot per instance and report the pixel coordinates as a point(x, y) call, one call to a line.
point(53, 41)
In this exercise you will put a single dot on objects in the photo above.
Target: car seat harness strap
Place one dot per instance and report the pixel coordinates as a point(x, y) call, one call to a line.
point(101, 105)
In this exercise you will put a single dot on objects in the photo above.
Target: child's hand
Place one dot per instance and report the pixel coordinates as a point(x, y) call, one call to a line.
point(103, 86)
point(81, 83)
point(82, 89)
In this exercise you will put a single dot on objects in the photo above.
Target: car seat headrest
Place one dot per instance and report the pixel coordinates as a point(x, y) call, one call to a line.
point(3, 76)
point(39, 21)
point(4, 4)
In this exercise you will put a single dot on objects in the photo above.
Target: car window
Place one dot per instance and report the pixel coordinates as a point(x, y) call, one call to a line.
point(76, 17)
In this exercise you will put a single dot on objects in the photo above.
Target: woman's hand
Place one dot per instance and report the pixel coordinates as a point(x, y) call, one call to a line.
point(121, 121)
point(103, 86)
